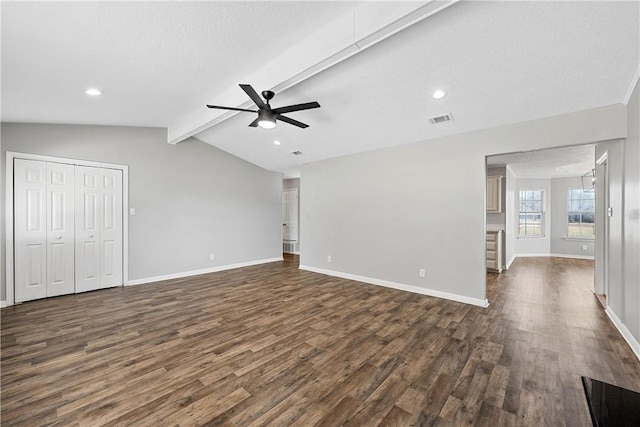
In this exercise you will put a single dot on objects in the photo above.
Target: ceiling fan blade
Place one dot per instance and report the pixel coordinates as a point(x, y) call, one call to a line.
point(254, 123)
point(253, 95)
point(296, 107)
point(292, 122)
point(231, 108)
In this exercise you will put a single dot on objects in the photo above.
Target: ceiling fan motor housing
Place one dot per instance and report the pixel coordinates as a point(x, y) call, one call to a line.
point(268, 95)
point(265, 114)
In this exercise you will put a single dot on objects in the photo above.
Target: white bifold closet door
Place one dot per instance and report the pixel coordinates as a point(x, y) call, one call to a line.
point(43, 229)
point(98, 228)
point(67, 229)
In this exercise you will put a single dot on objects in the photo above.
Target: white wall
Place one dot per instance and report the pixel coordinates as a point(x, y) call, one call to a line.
point(623, 293)
point(615, 150)
point(191, 199)
point(560, 245)
point(631, 275)
point(385, 214)
point(531, 246)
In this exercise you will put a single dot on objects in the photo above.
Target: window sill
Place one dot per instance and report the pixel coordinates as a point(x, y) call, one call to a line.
point(541, 236)
point(579, 239)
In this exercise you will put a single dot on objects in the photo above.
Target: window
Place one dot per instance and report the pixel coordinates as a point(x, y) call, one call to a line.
point(581, 214)
point(530, 220)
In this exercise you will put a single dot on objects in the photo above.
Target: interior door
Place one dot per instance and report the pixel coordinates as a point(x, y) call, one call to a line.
point(98, 228)
point(60, 229)
point(30, 229)
point(290, 215)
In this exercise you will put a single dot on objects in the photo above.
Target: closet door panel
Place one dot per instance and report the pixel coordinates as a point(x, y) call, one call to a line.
point(30, 229)
point(111, 232)
point(98, 228)
point(87, 225)
point(60, 229)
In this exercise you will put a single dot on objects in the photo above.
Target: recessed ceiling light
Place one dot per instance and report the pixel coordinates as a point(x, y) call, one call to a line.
point(439, 94)
point(93, 92)
point(276, 142)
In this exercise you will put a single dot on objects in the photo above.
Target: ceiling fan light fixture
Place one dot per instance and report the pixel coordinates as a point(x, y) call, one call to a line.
point(266, 123)
point(266, 119)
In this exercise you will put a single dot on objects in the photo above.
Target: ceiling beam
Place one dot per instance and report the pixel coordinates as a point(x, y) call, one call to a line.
point(368, 24)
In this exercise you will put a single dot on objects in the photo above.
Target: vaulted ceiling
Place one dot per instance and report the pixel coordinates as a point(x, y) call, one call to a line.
point(373, 67)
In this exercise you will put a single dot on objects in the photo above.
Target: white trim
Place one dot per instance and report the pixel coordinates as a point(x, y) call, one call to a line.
point(10, 156)
point(632, 86)
point(408, 288)
point(513, 258)
point(292, 253)
point(3, 304)
point(8, 233)
point(547, 255)
point(603, 158)
point(591, 257)
point(201, 271)
point(624, 331)
point(579, 239)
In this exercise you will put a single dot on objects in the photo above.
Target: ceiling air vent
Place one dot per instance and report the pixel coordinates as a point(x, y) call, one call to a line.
point(296, 153)
point(441, 119)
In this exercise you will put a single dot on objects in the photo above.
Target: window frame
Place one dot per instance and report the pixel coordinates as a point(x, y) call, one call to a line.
point(580, 212)
point(541, 212)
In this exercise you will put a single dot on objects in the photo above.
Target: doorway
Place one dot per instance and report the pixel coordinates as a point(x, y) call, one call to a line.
point(546, 201)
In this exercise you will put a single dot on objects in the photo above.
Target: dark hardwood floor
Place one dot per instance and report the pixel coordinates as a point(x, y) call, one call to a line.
point(273, 345)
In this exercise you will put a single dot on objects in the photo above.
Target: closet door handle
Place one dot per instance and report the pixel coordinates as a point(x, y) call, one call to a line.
point(58, 237)
point(91, 236)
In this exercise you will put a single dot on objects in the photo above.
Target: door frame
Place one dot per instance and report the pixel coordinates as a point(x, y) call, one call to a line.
point(603, 161)
point(9, 249)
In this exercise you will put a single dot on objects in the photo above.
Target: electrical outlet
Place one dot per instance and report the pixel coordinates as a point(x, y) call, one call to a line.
point(584, 247)
point(328, 258)
point(212, 257)
point(422, 272)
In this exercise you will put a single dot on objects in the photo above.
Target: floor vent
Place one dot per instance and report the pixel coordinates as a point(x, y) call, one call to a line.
point(441, 119)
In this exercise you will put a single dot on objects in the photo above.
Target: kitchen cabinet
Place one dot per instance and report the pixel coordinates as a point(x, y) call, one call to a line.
point(494, 250)
point(494, 194)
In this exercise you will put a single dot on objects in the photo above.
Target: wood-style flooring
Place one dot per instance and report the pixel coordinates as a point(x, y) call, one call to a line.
point(274, 345)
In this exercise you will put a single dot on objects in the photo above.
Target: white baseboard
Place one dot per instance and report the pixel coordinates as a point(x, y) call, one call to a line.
point(591, 257)
point(513, 258)
point(201, 271)
point(531, 255)
point(409, 288)
point(552, 255)
point(624, 331)
point(3, 304)
point(292, 253)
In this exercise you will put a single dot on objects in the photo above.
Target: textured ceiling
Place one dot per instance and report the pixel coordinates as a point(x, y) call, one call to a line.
point(552, 163)
point(500, 62)
point(152, 60)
